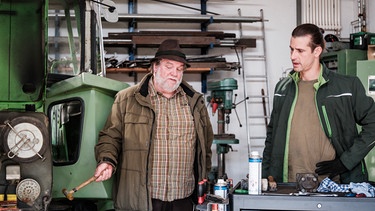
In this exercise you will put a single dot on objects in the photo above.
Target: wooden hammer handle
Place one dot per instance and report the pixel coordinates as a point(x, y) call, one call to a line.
point(92, 179)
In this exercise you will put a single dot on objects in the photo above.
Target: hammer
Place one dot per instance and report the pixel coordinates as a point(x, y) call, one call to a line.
point(69, 194)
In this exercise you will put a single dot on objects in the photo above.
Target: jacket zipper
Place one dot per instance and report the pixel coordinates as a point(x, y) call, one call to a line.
point(326, 120)
point(286, 153)
point(148, 160)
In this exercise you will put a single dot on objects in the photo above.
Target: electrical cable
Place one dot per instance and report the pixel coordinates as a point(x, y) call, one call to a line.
point(110, 8)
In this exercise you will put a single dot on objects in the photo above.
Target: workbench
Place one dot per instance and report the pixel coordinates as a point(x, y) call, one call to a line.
point(282, 200)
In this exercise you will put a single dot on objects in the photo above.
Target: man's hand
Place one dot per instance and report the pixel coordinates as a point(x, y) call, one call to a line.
point(103, 172)
point(331, 167)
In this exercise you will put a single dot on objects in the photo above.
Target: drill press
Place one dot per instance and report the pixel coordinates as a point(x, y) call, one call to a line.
point(221, 102)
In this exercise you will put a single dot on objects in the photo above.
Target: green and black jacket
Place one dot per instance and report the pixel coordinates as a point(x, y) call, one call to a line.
point(342, 106)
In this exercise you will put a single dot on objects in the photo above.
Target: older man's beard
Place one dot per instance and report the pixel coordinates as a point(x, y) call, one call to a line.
point(163, 82)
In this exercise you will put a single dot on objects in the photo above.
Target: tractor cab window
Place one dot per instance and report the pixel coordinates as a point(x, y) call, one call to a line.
point(72, 49)
point(64, 40)
point(66, 128)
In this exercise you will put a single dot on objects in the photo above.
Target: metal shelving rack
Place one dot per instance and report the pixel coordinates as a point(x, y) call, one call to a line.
point(241, 43)
point(187, 39)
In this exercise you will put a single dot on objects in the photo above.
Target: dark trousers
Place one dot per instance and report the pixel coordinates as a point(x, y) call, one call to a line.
point(185, 204)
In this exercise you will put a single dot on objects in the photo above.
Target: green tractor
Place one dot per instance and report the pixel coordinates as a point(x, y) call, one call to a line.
point(53, 102)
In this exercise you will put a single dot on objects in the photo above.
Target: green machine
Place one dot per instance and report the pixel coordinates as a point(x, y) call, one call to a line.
point(77, 102)
point(78, 108)
point(222, 103)
point(26, 161)
point(343, 61)
point(366, 73)
point(53, 102)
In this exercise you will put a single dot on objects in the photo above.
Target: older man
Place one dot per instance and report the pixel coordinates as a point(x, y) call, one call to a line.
point(158, 138)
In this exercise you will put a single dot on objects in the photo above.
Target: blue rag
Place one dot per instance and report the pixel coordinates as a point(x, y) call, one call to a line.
point(327, 185)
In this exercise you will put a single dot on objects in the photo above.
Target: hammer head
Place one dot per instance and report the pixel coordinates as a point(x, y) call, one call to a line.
point(68, 194)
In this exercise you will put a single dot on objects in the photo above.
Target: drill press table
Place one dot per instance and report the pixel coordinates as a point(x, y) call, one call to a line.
point(282, 200)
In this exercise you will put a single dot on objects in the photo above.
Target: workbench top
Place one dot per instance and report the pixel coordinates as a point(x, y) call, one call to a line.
point(288, 198)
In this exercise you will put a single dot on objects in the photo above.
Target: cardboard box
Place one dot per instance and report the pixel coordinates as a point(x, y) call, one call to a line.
point(371, 52)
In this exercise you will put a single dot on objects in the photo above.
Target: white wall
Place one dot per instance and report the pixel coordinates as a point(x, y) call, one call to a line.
point(281, 16)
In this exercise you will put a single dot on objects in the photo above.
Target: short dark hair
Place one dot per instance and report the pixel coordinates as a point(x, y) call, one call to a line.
point(314, 31)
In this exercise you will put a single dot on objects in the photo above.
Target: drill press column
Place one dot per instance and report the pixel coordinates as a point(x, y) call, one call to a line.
point(221, 100)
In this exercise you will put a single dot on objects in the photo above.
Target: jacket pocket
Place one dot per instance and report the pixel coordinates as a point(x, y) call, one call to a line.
point(136, 131)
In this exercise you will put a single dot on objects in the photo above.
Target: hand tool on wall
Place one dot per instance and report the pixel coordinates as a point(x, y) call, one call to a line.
point(69, 194)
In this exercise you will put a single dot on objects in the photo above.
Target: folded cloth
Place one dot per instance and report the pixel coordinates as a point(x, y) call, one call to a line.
point(327, 185)
point(364, 188)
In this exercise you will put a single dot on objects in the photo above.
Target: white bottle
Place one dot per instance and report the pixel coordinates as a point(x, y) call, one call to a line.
point(255, 173)
point(221, 189)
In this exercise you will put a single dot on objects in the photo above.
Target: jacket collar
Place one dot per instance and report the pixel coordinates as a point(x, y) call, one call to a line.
point(322, 79)
point(323, 76)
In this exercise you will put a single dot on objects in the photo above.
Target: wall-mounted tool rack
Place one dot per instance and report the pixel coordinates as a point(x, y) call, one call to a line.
point(188, 39)
point(254, 75)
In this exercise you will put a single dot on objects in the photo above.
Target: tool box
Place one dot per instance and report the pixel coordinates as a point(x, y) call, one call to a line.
point(361, 40)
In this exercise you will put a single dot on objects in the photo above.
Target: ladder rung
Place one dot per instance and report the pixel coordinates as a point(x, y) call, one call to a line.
point(257, 137)
point(258, 81)
point(258, 96)
point(256, 76)
point(258, 124)
point(255, 102)
point(254, 117)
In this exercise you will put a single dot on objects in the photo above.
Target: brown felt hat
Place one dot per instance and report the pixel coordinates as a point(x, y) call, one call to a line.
point(170, 49)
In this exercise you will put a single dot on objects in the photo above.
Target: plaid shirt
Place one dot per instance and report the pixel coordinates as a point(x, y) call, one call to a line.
point(174, 147)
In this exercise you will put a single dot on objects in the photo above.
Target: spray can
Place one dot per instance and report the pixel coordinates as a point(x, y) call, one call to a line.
point(221, 189)
point(255, 173)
